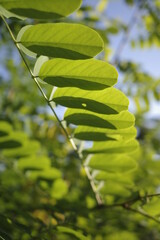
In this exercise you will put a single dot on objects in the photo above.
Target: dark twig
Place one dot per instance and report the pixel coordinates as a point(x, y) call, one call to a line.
point(127, 205)
point(141, 212)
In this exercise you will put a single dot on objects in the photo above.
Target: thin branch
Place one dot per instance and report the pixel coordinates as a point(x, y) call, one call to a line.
point(127, 205)
point(98, 197)
point(152, 195)
point(141, 213)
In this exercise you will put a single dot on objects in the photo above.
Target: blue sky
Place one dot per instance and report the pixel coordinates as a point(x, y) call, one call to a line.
point(148, 58)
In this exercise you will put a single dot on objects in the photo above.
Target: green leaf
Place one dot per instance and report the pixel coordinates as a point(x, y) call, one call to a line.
point(113, 147)
point(121, 178)
point(70, 231)
point(102, 134)
point(59, 189)
point(34, 163)
point(10, 143)
point(27, 148)
point(46, 174)
point(86, 74)
point(8, 14)
point(61, 40)
point(112, 163)
point(40, 61)
point(82, 117)
point(114, 188)
point(107, 101)
point(16, 135)
point(122, 235)
point(152, 206)
point(40, 9)
point(5, 128)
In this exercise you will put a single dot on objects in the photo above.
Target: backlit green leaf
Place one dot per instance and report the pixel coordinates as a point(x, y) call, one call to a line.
point(121, 178)
point(10, 143)
point(27, 148)
point(86, 74)
point(61, 40)
point(122, 235)
point(107, 101)
point(113, 147)
point(112, 163)
point(34, 162)
point(152, 206)
point(83, 117)
point(46, 174)
point(40, 9)
point(72, 232)
point(5, 128)
point(102, 134)
point(59, 189)
point(116, 189)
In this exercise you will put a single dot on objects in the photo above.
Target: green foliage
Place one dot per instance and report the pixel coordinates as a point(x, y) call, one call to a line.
point(44, 176)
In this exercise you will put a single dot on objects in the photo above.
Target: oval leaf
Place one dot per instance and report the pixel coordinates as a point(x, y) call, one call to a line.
point(121, 178)
point(112, 163)
point(102, 134)
point(116, 189)
point(107, 101)
point(13, 140)
point(47, 174)
point(5, 128)
point(27, 148)
point(41, 9)
point(82, 117)
point(113, 147)
point(85, 74)
point(72, 232)
point(10, 143)
point(61, 40)
point(34, 163)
